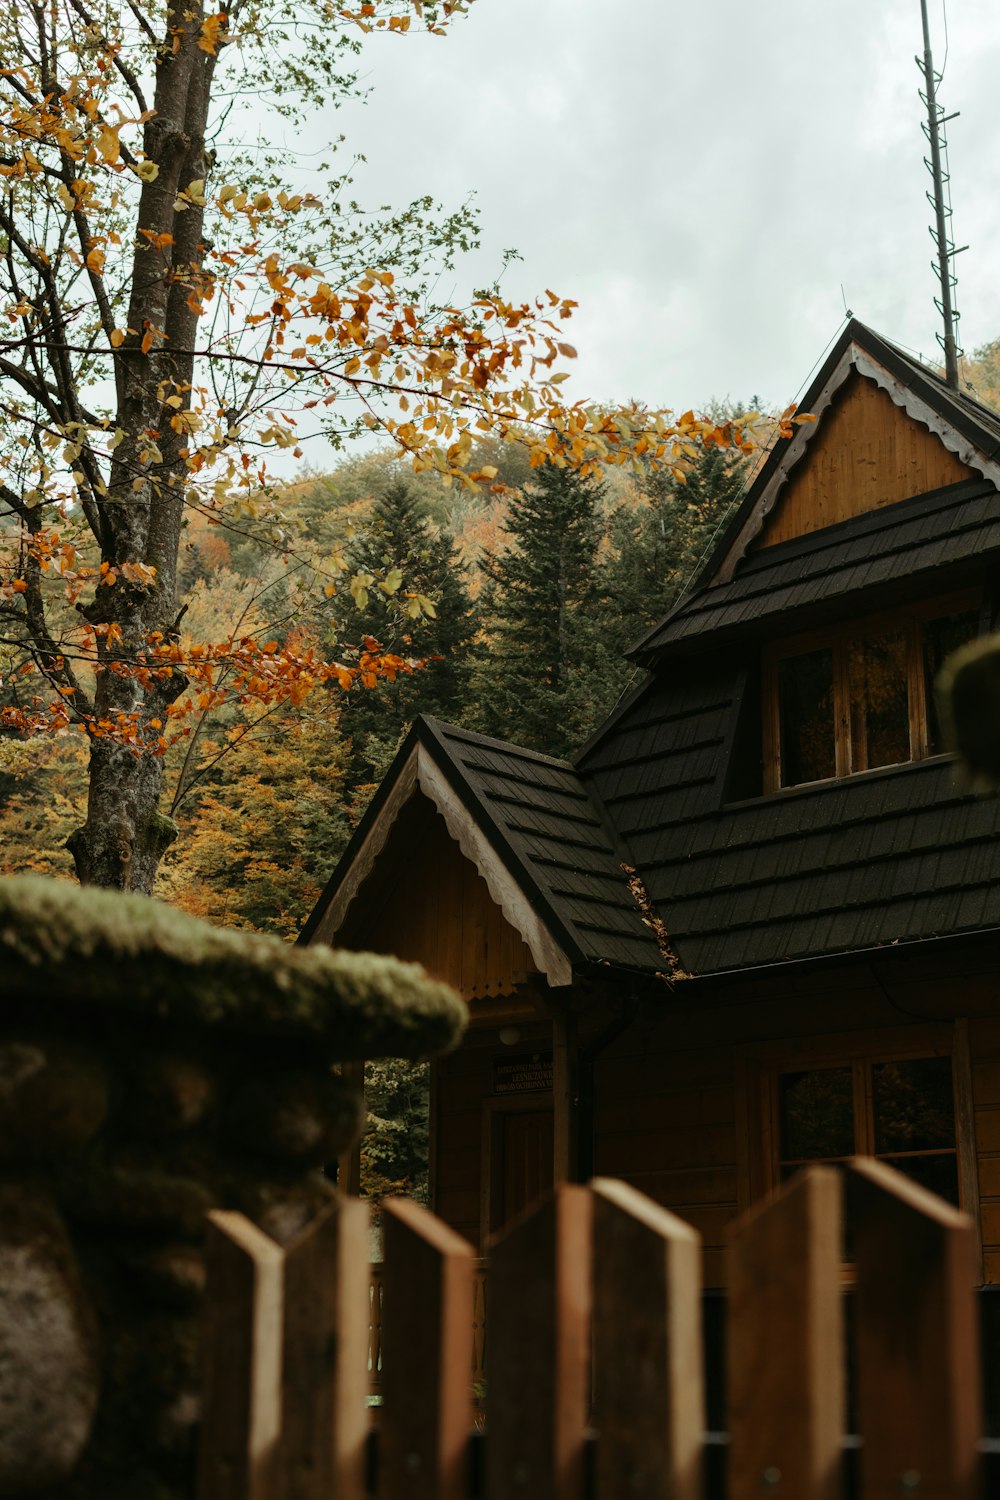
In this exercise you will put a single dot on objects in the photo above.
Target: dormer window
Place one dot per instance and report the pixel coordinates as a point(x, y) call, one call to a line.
point(859, 696)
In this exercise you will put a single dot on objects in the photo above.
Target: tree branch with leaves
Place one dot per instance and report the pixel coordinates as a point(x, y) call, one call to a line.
point(172, 310)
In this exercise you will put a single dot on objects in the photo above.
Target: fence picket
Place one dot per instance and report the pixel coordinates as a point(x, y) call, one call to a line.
point(427, 1367)
point(324, 1423)
point(241, 1420)
point(649, 1405)
point(919, 1399)
point(785, 1347)
point(538, 1378)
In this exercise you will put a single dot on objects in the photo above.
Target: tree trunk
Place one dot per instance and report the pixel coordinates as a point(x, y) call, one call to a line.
point(124, 837)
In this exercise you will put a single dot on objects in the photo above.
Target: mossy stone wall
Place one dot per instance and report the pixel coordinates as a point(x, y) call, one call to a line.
point(125, 1117)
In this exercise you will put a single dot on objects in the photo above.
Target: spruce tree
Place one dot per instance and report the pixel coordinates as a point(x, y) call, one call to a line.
point(655, 549)
point(537, 684)
point(400, 536)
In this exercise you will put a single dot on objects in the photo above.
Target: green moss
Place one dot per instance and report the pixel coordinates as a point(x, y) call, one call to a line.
point(87, 946)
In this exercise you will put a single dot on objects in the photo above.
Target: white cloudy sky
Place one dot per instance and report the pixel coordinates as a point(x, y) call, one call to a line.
point(703, 178)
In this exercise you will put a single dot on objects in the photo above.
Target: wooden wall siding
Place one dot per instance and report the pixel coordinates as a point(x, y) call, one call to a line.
point(666, 1123)
point(426, 901)
point(867, 453)
point(463, 1090)
point(984, 1045)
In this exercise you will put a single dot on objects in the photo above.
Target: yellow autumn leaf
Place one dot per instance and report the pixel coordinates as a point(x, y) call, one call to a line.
point(147, 171)
point(212, 32)
point(108, 144)
point(95, 260)
point(66, 198)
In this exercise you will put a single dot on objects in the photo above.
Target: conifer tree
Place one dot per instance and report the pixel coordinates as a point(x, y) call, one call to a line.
point(655, 549)
point(537, 685)
point(429, 616)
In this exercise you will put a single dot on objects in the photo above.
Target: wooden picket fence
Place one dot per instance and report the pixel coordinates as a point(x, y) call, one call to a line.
point(594, 1363)
point(376, 1294)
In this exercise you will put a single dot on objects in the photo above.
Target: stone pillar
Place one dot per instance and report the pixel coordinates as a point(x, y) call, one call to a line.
point(152, 1068)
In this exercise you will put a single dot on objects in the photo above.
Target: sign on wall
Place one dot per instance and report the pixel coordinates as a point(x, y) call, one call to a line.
point(529, 1073)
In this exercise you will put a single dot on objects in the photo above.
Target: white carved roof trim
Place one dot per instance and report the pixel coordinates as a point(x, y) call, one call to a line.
point(502, 885)
point(420, 774)
point(854, 358)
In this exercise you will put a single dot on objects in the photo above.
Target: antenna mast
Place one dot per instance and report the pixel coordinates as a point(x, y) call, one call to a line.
point(940, 200)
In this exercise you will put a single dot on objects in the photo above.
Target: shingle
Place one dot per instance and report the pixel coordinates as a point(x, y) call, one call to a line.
point(953, 524)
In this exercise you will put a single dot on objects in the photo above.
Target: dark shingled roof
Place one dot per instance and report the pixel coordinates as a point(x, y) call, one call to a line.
point(912, 540)
point(886, 857)
point(538, 816)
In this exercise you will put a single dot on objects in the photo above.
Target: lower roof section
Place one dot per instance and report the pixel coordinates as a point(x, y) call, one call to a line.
point(528, 826)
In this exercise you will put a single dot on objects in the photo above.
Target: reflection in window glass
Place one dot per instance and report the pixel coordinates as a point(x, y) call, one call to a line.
point(880, 701)
point(937, 1173)
point(940, 638)
point(913, 1105)
point(805, 695)
point(817, 1114)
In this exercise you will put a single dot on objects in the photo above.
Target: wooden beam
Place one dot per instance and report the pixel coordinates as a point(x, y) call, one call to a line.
point(564, 1089)
point(241, 1421)
point(427, 1344)
point(648, 1377)
point(785, 1348)
point(919, 1397)
point(324, 1425)
point(538, 1358)
point(349, 1161)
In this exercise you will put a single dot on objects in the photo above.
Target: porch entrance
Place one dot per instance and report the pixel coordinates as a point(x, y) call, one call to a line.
point(519, 1148)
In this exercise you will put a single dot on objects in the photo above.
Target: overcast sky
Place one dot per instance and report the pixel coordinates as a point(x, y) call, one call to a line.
point(702, 177)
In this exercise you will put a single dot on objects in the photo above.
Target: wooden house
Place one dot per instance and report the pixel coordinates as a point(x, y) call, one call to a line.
point(756, 919)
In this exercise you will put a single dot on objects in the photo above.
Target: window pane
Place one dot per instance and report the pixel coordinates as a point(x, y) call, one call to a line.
point(939, 1174)
point(880, 701)
point(913, 1105)
point(817, 1114)
point(805, 695)
point(941, 638)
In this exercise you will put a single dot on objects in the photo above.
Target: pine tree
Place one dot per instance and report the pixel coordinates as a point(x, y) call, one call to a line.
point(537, 685)
point(430, 617)
point(656, 548)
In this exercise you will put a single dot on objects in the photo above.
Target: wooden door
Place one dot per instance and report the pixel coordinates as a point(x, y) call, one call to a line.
point(523, 1144)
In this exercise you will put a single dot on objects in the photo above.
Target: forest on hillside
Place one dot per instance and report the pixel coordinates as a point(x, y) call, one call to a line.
point(509, 604)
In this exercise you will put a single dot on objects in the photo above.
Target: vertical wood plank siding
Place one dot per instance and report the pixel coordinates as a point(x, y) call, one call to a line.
point(868, 454)
point(428, 903)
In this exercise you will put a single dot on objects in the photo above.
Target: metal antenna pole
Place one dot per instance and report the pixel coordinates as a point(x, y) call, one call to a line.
point(942, 210)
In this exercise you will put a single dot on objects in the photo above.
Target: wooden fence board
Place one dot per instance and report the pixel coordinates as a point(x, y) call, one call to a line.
point(785, 1347)
point(648, 1379)
point(324, 1424)
point(538, 1375)
point(427, 1360)
point(241, 1422)
point(919, 1401)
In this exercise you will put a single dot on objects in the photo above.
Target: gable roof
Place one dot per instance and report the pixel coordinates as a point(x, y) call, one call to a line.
point(527, 823)
point(964, 425)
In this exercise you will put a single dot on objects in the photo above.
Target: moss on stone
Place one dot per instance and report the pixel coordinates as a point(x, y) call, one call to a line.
point(81, 945)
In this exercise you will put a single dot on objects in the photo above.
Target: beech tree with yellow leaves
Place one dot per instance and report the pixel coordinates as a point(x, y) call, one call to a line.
point(171, 310)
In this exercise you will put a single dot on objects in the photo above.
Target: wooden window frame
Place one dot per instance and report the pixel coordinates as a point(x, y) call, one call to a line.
point(839, 639)
point(759, 1069)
